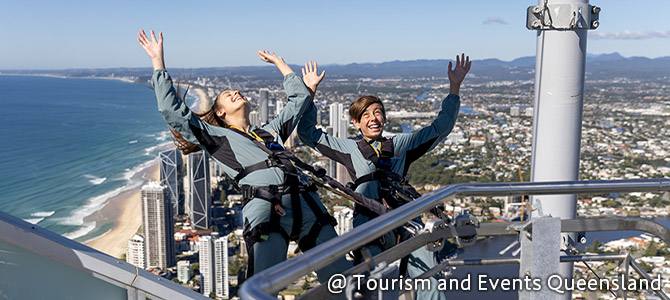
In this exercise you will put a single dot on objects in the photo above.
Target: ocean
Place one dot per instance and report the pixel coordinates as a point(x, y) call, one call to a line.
point(69, 145)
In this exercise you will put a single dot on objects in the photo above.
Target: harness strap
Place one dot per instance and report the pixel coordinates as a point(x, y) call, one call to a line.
point(260, 233)
point(270, 193)
point(266, 164)
point(322, 219)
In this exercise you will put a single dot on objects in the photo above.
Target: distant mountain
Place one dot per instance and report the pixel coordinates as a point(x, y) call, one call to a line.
point(601, 66)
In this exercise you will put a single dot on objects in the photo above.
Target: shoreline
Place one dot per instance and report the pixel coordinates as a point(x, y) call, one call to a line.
point(127, 208)
point(123, 79)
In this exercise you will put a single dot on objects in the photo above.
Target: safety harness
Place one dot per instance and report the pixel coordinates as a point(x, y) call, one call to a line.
point(394, 189)
point(295, 183)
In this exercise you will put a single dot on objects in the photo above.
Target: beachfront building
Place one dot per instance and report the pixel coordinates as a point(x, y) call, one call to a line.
point(214, 265)
point(345, 219)
point(135, 252)
point(157, 226)
point(183, 271)
point(199, 194)
point(172, 176)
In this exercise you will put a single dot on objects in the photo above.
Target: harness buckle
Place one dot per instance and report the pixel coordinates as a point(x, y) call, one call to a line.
point(248, 192)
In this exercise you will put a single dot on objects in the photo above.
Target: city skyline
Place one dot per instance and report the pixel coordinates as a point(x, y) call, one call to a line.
point(78, 35)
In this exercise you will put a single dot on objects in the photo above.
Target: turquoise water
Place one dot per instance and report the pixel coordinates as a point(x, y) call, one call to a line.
point(68, 145)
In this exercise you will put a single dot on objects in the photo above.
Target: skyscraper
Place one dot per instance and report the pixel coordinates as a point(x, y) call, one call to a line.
point(345, 219)
point(335, 116)
point(255, 118)
point(263, 103)
point(339, 122)
point(214, 265)
point(135, 252)
point(221, 266)
point(206, 257)
point(172, 176)
point(199, 195)
point(157, 226)
point(279, 106)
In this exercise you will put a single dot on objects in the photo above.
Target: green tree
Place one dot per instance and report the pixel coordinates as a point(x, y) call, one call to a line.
point(195, 269)
point(652, 249)
point(212, 295)
point(594, 247)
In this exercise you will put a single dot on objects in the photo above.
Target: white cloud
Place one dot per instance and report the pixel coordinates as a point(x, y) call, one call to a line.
point(495, 20)
point(630, 35)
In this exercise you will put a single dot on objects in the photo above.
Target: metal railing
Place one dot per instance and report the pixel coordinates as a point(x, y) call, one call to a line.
point(114, 278)
point(263, 284)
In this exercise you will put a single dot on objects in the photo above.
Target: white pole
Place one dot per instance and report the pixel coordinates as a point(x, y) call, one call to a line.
point(557, 120)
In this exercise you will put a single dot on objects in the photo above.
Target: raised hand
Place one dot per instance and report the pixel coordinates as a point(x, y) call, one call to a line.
point(278, 61)
point(458, 73)
point(153, 47)
point(311, 77)
point(270, 57)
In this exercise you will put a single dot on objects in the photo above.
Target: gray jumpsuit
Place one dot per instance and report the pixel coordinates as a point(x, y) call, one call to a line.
point(234, 152)
point(408, 148)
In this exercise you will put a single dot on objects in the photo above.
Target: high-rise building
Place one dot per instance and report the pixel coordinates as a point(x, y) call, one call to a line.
point(199, 194)
point(345, 219)
point(135, 252)
point(221, 266)
point(339, 122)
point(172, 176)
point(214, 265)
point(157, 226)
point(263, 103)
point(335, 116)
point(206, 254)
point(183, 271)
point(279, 105)
point(255, 118)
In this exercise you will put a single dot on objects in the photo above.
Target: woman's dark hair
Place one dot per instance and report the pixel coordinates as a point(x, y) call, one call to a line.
point(209, 117)
point(359, 106)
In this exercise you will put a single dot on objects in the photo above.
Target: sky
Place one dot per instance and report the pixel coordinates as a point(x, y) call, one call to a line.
point(220, 33)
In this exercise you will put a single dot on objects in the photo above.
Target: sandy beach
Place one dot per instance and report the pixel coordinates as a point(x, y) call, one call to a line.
point(127, 223)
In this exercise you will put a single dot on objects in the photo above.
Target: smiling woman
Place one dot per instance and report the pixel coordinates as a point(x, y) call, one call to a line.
point(273, 195)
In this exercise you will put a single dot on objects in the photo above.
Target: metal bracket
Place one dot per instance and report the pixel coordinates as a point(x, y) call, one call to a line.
point(562, 17)
point(434, 225)
point(466, 226)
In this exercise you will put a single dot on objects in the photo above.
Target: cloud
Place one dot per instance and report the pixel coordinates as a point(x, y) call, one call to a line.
point(630, 35)
point(495, 20)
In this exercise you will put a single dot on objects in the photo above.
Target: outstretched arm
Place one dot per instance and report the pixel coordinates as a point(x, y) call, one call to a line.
point(153, 47)
point(297, 94)
point(311, 77)
point(174, 110)
point(278, 61)
point(416, 144)
point(457, 75)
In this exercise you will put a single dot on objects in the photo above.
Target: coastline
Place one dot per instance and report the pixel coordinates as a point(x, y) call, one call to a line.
point(128, 210)
point(124, 79)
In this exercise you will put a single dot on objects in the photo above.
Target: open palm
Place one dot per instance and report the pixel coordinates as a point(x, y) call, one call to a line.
point(462, 68)
point(311, 77)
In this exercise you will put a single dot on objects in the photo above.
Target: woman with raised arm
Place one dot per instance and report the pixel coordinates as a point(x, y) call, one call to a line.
point(378, 164)
point(278, 206)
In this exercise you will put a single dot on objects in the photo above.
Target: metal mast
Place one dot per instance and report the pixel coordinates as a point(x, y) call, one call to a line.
point(561, 27)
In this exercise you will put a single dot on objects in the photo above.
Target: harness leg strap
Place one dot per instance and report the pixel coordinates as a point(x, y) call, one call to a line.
point(322, 219)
